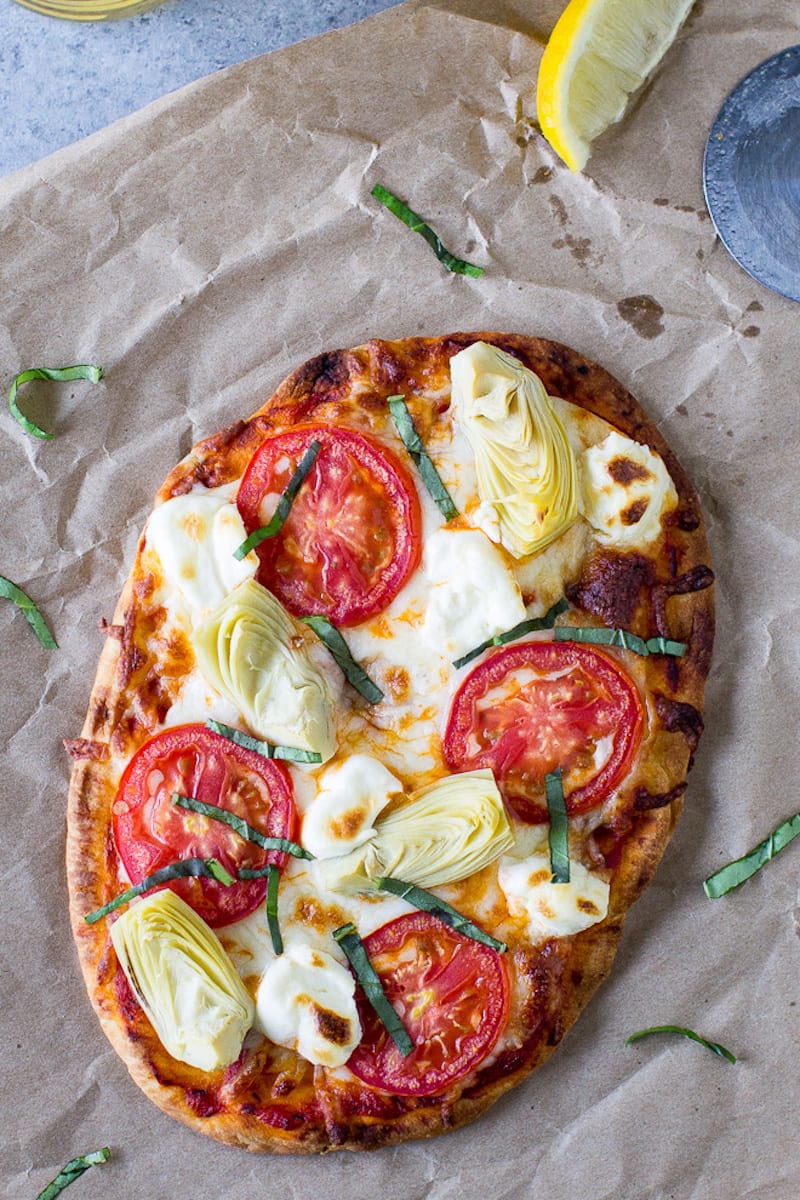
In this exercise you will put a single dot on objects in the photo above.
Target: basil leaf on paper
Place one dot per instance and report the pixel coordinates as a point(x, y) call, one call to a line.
point(735, 873)
point(400, 209)
point(58, 375)
point(72, 1171)
point(11, 591)
point(714, 1047)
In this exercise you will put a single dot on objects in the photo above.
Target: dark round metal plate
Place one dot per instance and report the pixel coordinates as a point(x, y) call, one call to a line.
point(751, 173)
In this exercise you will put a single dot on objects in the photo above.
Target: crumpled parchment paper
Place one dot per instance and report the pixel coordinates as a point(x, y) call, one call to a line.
point(200, 249)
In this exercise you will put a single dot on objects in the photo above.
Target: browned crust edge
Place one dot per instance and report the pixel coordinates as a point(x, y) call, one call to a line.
point(586, 959)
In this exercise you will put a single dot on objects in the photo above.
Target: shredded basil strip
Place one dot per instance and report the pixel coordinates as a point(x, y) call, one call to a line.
point(620, 637)
point(11, 591)
point(265, 749)
point(404, 424)
point(531, 625)
point(400, 209)
point(240, 826)
point(285, 502)
point(687, 1033)
point(558, 837)
point(177, 870)
point(58, 375)
point(366, 975)
point(272, 873)
point(733, 874)
point(353, 673)
point(429, 903)
point(72, 1171)
point(273, 879)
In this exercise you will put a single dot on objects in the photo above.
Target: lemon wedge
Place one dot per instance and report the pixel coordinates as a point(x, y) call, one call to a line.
point(599, 53)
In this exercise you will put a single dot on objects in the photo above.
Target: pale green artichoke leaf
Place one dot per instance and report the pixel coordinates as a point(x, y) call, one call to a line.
point(255, 654)
point(442, 833)
point(184, 980)
point(526, 469)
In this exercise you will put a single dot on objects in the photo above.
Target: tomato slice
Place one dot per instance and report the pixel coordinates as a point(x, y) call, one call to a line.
point(535, 706)
point(150, 831)
point(451, 994)
point(354, 532)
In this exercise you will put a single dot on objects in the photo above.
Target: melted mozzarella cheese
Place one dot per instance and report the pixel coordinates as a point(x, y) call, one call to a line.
point(552, 909)
point(198, 702)
point(403, 730)
point(350, 796)
point(625, 491)
point(308, 912)
point(472, 593)
point(306, 1001)
point(408, 651)
point(194, 537)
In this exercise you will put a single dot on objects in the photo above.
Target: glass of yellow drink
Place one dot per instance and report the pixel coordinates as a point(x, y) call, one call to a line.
point(88, 10)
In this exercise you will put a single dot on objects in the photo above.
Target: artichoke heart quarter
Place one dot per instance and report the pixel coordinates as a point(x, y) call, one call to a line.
point(442, 833)
point(525, 466)
point(253, 652)
point(184, 980)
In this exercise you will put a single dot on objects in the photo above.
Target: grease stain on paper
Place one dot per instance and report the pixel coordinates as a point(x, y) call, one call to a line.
point(664, 202)
point(559, 210)
point(579, 248)
point(643, 314)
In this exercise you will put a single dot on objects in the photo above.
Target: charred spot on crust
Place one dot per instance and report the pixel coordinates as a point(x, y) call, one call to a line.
point(625, 470)
point(644, 801)
point(679, 717)
point(126, 999)
point(696, 580)
point(384, 365)
point(327, 373)
point(702, 639)
point(633, 514)
point(85, 748)
point(687, 518)
point(450, 346)
point(130, 657)
point(100, 712)
point(331, 1026)
point(613, 587)
point(109, 630)
point(203, 1102)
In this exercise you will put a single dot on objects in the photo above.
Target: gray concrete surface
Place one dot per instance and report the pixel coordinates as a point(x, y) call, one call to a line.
point(61, 80)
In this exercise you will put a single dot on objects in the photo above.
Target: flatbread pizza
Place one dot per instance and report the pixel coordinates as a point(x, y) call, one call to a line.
point(391, 726)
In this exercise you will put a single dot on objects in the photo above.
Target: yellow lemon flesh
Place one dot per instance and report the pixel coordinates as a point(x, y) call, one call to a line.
point(599, 53)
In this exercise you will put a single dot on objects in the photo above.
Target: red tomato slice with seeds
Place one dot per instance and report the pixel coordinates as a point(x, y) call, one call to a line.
point(535, 706)
point(353, 535)
point(452, 996)
point(151, 832)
